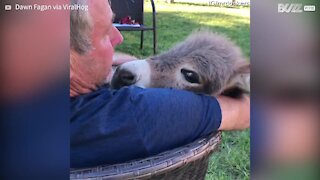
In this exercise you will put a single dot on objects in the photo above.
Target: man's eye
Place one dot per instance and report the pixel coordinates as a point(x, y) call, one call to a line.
point(190, 76)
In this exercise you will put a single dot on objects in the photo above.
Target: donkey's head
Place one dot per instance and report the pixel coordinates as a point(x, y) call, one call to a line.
point(205, 62)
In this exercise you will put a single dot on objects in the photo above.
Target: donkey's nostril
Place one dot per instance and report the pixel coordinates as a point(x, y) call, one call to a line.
point(127, 77)
point(123, 77)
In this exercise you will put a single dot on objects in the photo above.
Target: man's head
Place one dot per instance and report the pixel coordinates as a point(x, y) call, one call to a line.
point(92, 38)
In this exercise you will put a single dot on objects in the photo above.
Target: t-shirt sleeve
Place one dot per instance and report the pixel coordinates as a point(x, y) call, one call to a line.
point(115, 126)
point(168, 118)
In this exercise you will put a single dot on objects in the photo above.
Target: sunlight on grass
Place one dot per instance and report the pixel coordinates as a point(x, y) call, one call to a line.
point(165, 7)
point(175, 22)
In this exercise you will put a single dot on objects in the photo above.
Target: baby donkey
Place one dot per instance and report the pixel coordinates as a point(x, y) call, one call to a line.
point(204, 62)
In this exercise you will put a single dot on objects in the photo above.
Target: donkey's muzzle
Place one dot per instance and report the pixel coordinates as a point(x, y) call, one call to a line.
point(123, 77)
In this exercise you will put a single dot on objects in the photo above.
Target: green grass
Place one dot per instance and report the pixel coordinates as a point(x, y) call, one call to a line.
point(175, 22)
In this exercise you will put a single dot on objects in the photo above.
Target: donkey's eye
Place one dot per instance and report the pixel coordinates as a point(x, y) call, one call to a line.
point(190, 76)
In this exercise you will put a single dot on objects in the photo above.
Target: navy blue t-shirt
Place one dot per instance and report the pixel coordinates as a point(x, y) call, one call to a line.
point(114, 126)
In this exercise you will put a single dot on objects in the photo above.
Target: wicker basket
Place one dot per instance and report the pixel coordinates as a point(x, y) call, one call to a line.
point(187, 162)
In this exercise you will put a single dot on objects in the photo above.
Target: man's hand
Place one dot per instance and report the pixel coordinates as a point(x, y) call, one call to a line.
point(235, 112)
point(120, 58)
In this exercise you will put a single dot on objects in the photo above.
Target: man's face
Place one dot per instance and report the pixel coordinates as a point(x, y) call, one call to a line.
point(104, 37)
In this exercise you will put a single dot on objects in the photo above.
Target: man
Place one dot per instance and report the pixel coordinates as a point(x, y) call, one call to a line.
point(109, 126)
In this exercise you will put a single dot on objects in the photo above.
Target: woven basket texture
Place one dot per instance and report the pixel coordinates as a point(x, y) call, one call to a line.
point(189, 162)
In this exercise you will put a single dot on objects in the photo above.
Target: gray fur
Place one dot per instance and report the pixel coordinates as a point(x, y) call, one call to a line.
point(214, 57)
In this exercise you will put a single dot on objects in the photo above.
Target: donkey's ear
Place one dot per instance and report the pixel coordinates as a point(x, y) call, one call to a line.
point(239, 83)
point(242, 68)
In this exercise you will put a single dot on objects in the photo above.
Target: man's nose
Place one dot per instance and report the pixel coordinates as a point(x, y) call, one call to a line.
point(117, 37)
point(123, 77)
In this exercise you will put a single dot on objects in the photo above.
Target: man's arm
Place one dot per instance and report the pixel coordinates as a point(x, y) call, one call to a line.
point(116, 126)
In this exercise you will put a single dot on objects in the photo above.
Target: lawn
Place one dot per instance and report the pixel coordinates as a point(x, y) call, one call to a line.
point(175, 22)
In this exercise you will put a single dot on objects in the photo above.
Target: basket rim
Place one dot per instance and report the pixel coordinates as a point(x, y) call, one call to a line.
point(154, 165)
